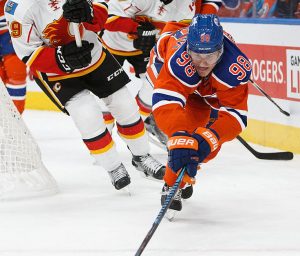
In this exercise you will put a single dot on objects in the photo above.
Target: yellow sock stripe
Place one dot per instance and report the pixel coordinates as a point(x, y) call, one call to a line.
point(109, 121)
point(144, 114)
point(102, 150)
point(130, 137)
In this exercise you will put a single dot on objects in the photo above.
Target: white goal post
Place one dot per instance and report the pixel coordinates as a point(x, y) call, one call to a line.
point(22, 172)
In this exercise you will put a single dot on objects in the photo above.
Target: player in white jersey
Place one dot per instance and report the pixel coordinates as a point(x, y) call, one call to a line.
point(44, 39)
point(132, 29)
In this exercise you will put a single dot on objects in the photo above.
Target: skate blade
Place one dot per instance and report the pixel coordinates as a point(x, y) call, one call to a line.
point(148, 177)
point(171, 214)
point(125, 191)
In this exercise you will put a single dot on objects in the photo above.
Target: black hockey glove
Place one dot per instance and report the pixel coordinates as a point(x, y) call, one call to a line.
point(70, 57)
point(146, 37)
point(78, 11)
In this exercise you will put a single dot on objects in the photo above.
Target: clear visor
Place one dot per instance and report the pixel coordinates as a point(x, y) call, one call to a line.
point(205, 58)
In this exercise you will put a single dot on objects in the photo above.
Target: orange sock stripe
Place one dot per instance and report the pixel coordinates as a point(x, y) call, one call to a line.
point(135, 136)
point(98, 143)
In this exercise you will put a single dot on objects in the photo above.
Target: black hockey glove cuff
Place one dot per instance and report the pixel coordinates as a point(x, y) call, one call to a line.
point(146, 37)
point(78, 11)
point(70, 57)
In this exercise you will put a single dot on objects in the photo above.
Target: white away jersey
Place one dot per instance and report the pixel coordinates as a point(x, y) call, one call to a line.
point(35, 24)
point(154, 9)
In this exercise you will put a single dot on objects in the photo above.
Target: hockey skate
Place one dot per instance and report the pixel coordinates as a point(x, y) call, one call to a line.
point(187, 191)
point(176, 204)
point(177, 199)
point(119, 177)
point(149, 166)
point(156, 136)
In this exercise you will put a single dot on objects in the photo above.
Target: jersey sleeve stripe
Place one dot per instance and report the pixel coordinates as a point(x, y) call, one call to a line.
point(164, 103)
point(217, 3)
point(33, 56)
point(171, 93)
point(151, 74)
point(3, 24)
point(101, 5)
point(163, 97)
point(239, 115)
point(111, 18)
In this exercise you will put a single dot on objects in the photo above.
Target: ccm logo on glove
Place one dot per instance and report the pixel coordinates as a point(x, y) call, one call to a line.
point(62, 61)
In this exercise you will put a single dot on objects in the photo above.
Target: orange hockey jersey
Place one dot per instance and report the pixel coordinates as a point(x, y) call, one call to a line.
point(183, 101)
point(3, 26)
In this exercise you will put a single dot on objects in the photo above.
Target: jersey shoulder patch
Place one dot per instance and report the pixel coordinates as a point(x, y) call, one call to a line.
point(19, 8)
point(234, 68)
point(180, 66)
point(11, 7)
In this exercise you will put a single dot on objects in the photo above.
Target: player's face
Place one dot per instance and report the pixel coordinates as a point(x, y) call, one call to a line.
point(204, 63)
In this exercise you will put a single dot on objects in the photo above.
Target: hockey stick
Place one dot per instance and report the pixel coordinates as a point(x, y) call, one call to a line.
point(161, 213)
point(75, 27)
point(267, 156)
point(268, 97)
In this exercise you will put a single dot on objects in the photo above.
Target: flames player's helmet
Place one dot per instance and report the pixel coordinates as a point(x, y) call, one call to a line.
point(205, 34)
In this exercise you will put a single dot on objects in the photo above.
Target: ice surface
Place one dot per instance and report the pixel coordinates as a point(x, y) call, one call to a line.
point(241, 205)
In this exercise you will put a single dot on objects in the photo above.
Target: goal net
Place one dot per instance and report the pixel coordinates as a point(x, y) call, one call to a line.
point(22, 172)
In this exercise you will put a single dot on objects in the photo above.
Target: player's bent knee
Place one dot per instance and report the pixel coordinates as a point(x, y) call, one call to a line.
point(123, 107)
point(86, 114)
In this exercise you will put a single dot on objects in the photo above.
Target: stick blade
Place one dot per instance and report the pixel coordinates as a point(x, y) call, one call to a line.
point(275, 156)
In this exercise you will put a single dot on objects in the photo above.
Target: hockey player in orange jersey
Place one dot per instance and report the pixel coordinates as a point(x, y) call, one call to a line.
point(196, 70)
point(12, 69)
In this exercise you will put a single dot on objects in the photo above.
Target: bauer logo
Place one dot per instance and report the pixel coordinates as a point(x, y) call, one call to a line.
point(293, 73)
point(11, 7)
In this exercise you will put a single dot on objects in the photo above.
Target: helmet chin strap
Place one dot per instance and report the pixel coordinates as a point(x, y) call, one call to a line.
point(166, 1)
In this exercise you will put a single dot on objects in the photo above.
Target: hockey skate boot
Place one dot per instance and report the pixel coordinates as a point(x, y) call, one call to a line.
point(187, 191)
point(152, 128)
point(119, 177)
point(149, 166)
point(176, 202)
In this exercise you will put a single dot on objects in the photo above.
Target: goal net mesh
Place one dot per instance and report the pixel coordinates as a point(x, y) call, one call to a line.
point(22, 172)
